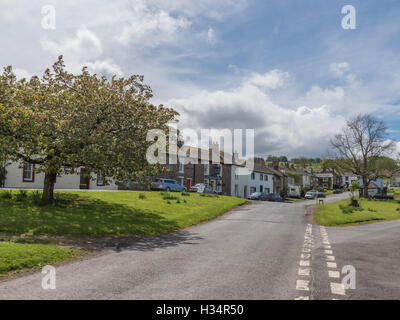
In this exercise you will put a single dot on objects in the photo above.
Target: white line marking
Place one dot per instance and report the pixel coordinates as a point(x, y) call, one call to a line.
point(337, 288)
point(304, 272)
point(328, 251)
point(302, 298)
point(334, 274)
point(304, 263)
point(330, 258)
point(305, 256)
point(302, 285)
point(332, 265)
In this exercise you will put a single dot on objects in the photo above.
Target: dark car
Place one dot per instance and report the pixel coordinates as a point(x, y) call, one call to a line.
point(261, 196)
point(274, 197)
point(321, 194)
point(337, 191)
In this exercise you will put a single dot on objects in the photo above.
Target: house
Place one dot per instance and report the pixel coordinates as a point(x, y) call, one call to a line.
point(375, 187)
point(348, 179)
point(395, 182)
point(23, 176)
point(280, 178)
point(328, 179)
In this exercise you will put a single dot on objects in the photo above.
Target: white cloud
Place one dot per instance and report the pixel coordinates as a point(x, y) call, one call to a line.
point(339, 68)
point(271, 80)
point(303, 130)
point(22, 73)
point(85, 49)
point(211, 35)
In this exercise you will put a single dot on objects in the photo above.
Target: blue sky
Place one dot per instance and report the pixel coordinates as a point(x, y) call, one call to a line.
point(285, 68)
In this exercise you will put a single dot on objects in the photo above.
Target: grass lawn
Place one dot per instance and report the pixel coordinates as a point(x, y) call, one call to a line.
point(373, 211)
point(15, 257)
point(110, 213)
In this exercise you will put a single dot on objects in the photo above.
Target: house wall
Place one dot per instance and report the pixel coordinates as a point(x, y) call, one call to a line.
point(14, 179)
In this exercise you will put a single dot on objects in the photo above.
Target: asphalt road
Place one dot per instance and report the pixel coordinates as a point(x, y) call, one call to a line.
point(253, 252)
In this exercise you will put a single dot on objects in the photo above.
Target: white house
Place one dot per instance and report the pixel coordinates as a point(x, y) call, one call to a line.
point(348, 179)
point(244, 181)
point(25, 178)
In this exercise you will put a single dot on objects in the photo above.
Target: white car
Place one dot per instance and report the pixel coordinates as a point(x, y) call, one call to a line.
point(311, 194)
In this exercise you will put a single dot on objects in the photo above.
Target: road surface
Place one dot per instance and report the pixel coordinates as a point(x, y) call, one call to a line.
point(263, 250)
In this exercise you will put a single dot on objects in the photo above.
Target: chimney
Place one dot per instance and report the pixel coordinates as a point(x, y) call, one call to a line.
point(215, 153)
point(276, 165)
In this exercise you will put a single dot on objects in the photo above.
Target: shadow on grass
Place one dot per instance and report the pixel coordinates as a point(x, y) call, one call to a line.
point(83, 217)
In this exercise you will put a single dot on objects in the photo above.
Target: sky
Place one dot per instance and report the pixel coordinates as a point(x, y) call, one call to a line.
point(285, 68)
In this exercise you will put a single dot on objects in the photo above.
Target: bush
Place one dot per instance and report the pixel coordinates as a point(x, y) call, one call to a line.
point(178, 200)
point(36, 197)
point(371, 210)
point(184, 200)
point(185, 194)
point(168, 196)
point(398, 209)
point(21, 195)
point(7, 194)
point(142, 196)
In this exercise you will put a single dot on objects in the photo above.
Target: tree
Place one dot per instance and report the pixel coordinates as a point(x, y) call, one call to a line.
point(63, 120)
point(360, 144)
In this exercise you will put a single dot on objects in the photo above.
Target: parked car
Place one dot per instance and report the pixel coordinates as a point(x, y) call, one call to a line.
point(167, 185)
point(202, 188)
point(294, 192)
point(311, 194)
point(261, 196)
point(321, 194)
point(274, 197)
point(337, 191)
point(385, 196)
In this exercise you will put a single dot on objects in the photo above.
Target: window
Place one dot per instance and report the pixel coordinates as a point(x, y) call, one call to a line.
point(261, 188)
point(28, 174)
point(261, 177)
point(266, 177)
point(267, 191)
point(253, 176)
point(171, 167)
point(252, 190)
point(206, 169)
point(100, 180)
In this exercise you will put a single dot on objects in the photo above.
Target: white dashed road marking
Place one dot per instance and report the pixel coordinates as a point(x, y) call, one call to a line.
point(303, 284)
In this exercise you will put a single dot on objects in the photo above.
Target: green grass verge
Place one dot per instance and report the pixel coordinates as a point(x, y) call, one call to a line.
point(110, 213)
point(15, 257)
point(373, 211)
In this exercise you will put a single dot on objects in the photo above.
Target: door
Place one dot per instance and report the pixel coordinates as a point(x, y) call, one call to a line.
point(188, 184)
point(245, 192)
point(84, 180)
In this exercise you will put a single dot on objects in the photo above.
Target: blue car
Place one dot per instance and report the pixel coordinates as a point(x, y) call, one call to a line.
point(168, 185)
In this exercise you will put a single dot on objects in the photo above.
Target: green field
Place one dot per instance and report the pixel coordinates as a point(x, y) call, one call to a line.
point(15, 257)
point(372, 211)
point(109, 213)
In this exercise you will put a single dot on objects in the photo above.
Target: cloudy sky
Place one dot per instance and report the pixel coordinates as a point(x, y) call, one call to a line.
point(285, 68)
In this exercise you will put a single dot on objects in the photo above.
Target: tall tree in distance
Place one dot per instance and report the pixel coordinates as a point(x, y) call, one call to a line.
point(359, 145)
point(63, 120)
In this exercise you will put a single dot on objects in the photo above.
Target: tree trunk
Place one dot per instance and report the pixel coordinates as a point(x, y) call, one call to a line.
point(48, 188)
point(365, 187)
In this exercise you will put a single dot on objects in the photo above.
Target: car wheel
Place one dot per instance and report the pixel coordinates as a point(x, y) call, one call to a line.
point(168, 189)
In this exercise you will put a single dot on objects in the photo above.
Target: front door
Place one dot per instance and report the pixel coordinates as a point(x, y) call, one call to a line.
point(84, 180)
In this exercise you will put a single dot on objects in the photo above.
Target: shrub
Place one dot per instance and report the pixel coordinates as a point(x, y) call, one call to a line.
point(21, 195)
point(142, 196)
point(168, 196)
point(36, 197)
point(185, 194)
point(371, 210)
point(178, 200)
point(184, 200)
point(398, 209)
point(7, 194)
point(168, 202)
